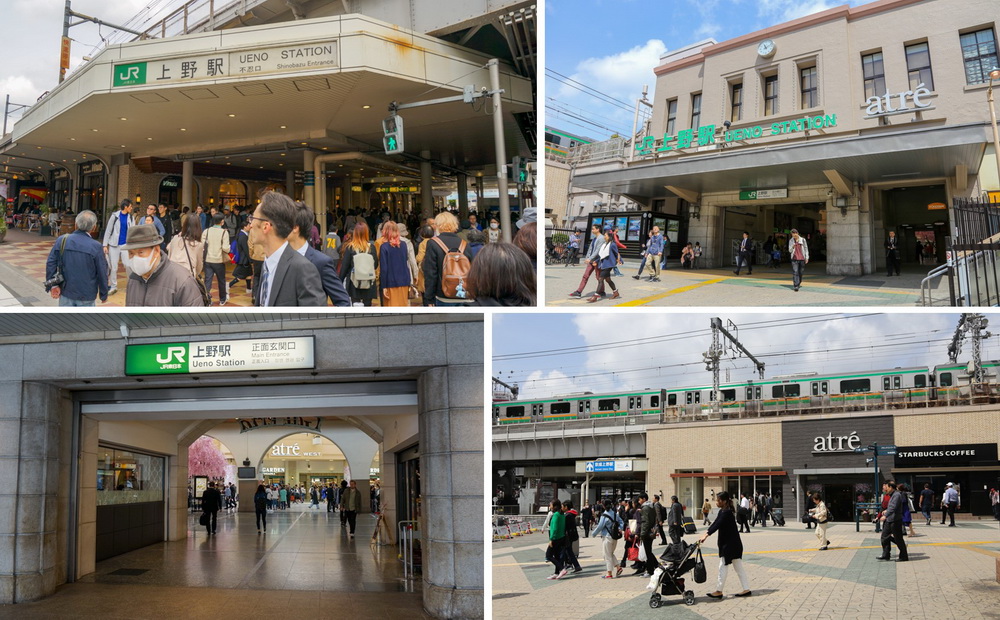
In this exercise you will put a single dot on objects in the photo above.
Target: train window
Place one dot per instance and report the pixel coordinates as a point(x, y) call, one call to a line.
point(815, 388)
point(697, 397)
point(919, 381)
point(654, 401)
point(756, 392)
point(608, 404)
point(896, 382)
point(825, 387)
point(945, 379)
point(631, 402)
point(728, 396)
point(671, 399)
point(557, 408)
point(791, 390)
point(749, 393)
point(688, 398)
point(885, 383)
point(588, 406)
point(853, 386)
point(515, 412)
point(777, 391)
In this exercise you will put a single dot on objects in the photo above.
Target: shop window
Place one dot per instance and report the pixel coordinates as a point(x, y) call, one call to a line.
point(696, 111)
point(736, 99)
point(979, 52)
point(770, 95)
point(671, 400)
point(125, 477)
point(918, 64)
point(809, 83)
point(654, 401)
point(515, 412)
point(854, 386)
point(728, 396)
point(671, 116)
point(608, 404)
point(559, 408)
point(945, 379)
point(874, 74)
point(919, 381)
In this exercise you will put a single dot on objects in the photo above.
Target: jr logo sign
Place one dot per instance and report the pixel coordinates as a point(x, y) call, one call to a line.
point(171, 354)
point(130, 75)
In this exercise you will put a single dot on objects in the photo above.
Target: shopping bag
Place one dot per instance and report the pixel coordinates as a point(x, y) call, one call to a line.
point(642, 552)
point(633, 553)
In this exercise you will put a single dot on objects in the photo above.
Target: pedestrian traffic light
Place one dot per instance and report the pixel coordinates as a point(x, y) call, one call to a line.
point(392, 134)
point(520, 170)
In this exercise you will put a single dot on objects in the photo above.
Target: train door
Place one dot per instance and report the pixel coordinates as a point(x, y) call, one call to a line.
point(891, 388)
point(583, 409)
point(753, 397)
point(537, 412)
point(818, 393)
point(634, 405)
point(692, 402)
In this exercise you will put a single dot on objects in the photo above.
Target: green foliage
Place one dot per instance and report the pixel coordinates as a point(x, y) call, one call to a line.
point(3, 218)
point(560, 238)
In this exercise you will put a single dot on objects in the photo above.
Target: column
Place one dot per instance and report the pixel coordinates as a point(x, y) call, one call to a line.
point(308, 178)
point(387, 490)
point(187, 184)
point(463, 198)
point(290, 183)
point(176, 494)
point(346, 198)
point(426, 186)
point(451, 464)
point(86, 539)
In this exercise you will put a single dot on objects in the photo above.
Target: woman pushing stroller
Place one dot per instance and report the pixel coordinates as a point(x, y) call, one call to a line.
point(730, 544)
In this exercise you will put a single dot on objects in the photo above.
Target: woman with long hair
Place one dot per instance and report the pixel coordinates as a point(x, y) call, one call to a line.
point(730, 544)
point(187, 248)
point(394, 271)
point(605, 525)
point(359, 244)
point(501, 275)
point(260, 507)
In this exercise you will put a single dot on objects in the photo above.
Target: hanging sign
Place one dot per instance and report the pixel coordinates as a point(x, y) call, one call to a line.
point(220, 356)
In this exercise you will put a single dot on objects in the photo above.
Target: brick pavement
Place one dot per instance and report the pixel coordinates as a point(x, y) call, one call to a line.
point(720, 287)
point(951, 574)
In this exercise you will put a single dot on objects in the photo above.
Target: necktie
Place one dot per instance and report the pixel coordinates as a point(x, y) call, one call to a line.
point(265, 286)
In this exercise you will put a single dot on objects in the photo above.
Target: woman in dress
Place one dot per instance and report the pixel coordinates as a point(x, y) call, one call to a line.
point(730, 544)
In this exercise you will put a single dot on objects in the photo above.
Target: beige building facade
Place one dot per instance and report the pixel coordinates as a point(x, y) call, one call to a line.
point(845, 124)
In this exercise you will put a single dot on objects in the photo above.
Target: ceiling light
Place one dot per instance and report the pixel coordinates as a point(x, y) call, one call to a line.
point(38, 147)
point(207, 162)
point(149, 138)
point(283, 154)
point(93, 130)
point(281, 164)
point(248, 159)
point(325, 147)
point(365, 107)
point(73, 139)
point(122, 145)
point(229, 163)
point(304, 143)
point(183, 129)
point(122, 118)
point(284, 127)
point(232, 116)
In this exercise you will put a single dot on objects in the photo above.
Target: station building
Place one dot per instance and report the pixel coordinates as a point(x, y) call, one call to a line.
point(98, 411)
point(845, 124)
point(209, 109)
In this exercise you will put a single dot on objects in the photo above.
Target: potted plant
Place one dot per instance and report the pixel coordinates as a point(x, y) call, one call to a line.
point(43, 220)
point(3, 221)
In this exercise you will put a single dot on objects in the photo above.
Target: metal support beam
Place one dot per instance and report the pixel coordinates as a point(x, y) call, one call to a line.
point(841, 184)
point(686, 194)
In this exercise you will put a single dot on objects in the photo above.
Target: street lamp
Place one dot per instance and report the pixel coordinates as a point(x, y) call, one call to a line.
point(994, 75)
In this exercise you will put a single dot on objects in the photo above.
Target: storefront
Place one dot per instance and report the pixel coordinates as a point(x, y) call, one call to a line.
point(61, 185)
point(971, 468)
point(634, 228)
point(92, 182)
point(130, 500)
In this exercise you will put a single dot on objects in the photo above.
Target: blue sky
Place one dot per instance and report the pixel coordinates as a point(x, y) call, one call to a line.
point(613, 45)
point(792, 343)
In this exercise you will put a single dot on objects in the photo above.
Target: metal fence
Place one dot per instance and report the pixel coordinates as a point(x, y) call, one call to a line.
point(409, 547)
point(973, 266)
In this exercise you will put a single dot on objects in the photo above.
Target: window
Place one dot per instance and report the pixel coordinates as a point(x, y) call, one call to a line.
point(874, 73)
point(920, 381)
point(897, 382)
point(979, 51)
point(125, 477)
point(788, 390)
point(728, 396)
point(810, 87)
point(945, 379)
point(671, 399)
point(820, 388)
point(918, 64)
point(671, 116)
point(558, 408)
point(535, 410)
point(692, 398)
point(608, 404)
point(736, 95)
point(696, 111)
point(654, 401)
point(579, 406)
point(853, 386)
point(515, 412)
point(770, 95)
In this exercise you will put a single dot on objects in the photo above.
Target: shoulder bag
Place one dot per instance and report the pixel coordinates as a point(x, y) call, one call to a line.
point(205, 297)
point(58, 278)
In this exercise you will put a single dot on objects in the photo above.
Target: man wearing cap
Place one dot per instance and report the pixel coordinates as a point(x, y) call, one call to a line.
point(288, 278)
point(115, 234)
point(155, 281)
point(950, 503)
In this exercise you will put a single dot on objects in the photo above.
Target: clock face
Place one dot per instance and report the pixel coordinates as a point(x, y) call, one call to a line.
point(766, 48)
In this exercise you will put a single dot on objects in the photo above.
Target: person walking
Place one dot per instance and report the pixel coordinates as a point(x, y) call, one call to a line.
point(211, 504)
point(333, 286)
point(706, 510)
point(81, 262)
point(821, 515)
point(155, 281)
point(620, 246)
point(927, 502)
point(798, 251)
point(186, 249)
point(350, 503)
point(950, 502)
point(571, 550)
point(892, 530)
point(647, 532)
point(743, 513)
point(654, 252)
point(288, 278)
point(730, 545)
point(574, 249)
point(340, 496)
point(607, 261)
point(260, 508)
point(216, 240)
point(314, 498)
point(608, 525)
point(586, 517)
point(675, 520)
point(661, 519)
point(907, 510)
point(394, 270)
point(744, 254)
point(115, 235)
point(591, 260)
point(358, 266)
point(891, 254)
point(244, 268)
point(283, 497)
point(995, 503)
point(557, 540)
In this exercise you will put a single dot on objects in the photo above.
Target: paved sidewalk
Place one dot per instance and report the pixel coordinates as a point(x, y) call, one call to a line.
point(721, 287)
point(951, 574)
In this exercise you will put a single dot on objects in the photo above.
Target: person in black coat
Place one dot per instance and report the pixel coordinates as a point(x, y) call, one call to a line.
point(211, 504)
point(243, 270)
point(587, 515)
point(730, 544)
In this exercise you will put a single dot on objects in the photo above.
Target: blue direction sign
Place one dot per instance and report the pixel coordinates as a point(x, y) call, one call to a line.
point(598, 466)
point(886, 451)
point(861, 450)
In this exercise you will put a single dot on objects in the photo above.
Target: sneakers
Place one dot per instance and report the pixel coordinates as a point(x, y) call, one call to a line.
point(562, 573)
point(575, 294)
point(823, 548)
point(551, 577)
point(224, 301)
point(112, 291)
point(635, 277)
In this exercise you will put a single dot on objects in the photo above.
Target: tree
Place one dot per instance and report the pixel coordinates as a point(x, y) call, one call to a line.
point(206, 459)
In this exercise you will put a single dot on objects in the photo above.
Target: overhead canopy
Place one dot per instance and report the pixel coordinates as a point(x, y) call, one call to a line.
point(880, 158)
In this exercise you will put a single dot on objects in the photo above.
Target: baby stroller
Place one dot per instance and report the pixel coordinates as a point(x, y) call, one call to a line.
point(679, 558)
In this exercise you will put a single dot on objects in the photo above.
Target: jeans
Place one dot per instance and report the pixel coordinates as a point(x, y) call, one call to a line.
point(218, 270)
point(554, 554)
point(926, 510)
point(66, 301)
point(261, 518)
point(352, 519)
point(569, 558)
point(798, 267)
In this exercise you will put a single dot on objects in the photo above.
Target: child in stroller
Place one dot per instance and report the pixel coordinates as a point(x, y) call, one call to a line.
point(678, 559)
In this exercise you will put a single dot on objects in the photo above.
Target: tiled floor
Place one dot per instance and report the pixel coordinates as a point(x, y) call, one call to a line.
point(305, 565)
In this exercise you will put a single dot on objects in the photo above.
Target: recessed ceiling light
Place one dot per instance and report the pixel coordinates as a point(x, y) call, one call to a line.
point(183, 129)
point(122, 118)
point(207, 162)
point(232, 116)
point(365, 107)
point(262, 167)
point(73, 139)
point(229, 163)
point(38, 147)
point(284, 127)
point(340, 165)
point(248, 159)
point(281, 164)
point(283, 154)
point(93, 130)
point(122, 145)
point(304, 143)
point(324, 148)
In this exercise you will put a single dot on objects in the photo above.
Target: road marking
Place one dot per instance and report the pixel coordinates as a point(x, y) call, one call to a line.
point(645, 300)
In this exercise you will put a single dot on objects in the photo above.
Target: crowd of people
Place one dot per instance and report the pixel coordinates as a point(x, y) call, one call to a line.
point(181, 257)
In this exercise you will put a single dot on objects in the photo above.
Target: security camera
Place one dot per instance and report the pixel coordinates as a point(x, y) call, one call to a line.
point(123, 328)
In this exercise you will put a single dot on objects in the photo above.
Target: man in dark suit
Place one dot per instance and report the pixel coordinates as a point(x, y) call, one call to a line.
point(332, 284)
point(211, 504)
point(892, 254)
point(288, 278)
point(744, 254)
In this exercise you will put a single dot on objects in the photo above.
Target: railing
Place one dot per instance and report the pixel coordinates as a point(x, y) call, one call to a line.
point(193, 16)
point(973, 267)
point(926, 293)
point(506, 527)
point(408, 534)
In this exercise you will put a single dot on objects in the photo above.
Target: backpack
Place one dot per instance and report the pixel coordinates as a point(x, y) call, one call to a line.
point(454, 270)
point(363, 271)
point(234, 252)
point(616, 532)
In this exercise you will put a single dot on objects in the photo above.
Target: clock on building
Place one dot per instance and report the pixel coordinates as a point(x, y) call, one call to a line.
point(766, 48)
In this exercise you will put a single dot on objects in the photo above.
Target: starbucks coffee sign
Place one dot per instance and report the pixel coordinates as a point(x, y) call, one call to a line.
point(220, 356)
point(896, 103)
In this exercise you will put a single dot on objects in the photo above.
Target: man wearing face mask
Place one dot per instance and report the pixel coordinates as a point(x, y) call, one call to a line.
point(155, 281)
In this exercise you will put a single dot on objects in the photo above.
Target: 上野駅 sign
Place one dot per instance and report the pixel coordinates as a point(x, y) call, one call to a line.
point(220, 356)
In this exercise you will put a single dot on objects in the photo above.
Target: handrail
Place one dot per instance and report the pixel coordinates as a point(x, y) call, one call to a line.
point(925, 292)
point(407, 534)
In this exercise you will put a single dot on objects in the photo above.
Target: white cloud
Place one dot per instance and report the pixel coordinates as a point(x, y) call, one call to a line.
point(620, 75)
point(786, 10)
point(20, 88)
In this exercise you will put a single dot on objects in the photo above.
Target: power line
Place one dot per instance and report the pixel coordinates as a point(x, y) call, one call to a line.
point(565, 79)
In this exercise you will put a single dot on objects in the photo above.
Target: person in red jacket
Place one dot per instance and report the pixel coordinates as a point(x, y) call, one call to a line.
point(621, 246)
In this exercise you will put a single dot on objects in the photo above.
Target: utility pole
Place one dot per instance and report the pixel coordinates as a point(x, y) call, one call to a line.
point(716, 351)
point(501, 150)
point(64, 49)
point(972, 326)
point(9, 107)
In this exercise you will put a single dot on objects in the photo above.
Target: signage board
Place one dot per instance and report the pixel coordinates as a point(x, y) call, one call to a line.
point(607, 466)
point(961, 454)
point(220, 356)
point(763, 194)
point(272, 470)
point(937, 206)
point(706, 135)
point(219, 65)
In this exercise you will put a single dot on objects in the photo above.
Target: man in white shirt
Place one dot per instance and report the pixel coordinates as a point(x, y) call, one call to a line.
point(950, 503)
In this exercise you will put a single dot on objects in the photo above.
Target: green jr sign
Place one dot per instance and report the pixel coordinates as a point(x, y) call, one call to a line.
point(131, 74)
point(219, 356)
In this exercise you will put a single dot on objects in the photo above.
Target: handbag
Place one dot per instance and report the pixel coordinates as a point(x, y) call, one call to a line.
point(203, 519)
point(700, 573)
point(205, 297)
point(57, 278)
point(633, 553)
